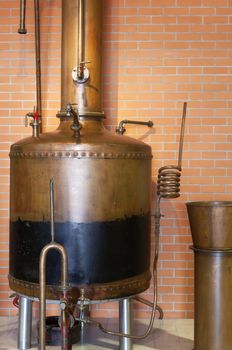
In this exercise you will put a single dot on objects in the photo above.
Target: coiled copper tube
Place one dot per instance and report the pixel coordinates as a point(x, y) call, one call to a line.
point(168, 183)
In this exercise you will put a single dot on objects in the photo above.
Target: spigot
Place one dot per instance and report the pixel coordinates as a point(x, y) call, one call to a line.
point(34, 123)
point(76, 126)
point(80, 74)
point(70, 111)
point(120, 129)
point(83, 307)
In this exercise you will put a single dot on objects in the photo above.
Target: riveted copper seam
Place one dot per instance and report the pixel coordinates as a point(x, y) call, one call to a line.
point(118, 289)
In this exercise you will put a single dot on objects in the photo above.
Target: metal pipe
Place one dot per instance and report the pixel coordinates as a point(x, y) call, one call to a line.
point(64, 287)
point(125, 323)
point(52, 209)
point(182, 135)
point(22, 29)
point(80, 53)
point(120, 129)
point(25, 323)
point(150, 304)
point(38, 61)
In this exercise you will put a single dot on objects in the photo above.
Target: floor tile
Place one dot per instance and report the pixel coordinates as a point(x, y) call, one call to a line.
point(166, 335)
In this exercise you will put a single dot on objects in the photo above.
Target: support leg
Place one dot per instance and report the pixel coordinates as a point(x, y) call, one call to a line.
point(24, 323)
point(125, 323)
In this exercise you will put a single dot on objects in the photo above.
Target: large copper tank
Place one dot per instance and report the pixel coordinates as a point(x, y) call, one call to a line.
point(211, 228)
point(101, 183)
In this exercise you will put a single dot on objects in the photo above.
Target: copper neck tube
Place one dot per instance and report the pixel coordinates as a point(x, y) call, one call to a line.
point(82, 42)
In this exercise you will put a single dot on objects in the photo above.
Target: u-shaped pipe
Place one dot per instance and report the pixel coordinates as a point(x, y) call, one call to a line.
point(63, 299)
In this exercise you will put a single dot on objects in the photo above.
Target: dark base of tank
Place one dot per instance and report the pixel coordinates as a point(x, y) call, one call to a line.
point(109, 259)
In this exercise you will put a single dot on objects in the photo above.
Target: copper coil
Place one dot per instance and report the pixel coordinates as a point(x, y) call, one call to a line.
point(168, 183)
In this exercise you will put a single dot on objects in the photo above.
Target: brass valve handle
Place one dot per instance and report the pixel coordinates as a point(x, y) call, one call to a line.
point(80, 74)
point(120, 129)
point(81, 71)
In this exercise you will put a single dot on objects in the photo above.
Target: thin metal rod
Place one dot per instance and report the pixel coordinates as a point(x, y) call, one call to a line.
point(37, 60)
point(52, 209)
point(22, 29)
point(24, 323)
point(182, 135)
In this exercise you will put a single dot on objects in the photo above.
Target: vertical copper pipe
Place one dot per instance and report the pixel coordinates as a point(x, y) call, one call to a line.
point(182, 135)
point(81, 29)
point(52, 209)
point(22, 29)
point(37, 60)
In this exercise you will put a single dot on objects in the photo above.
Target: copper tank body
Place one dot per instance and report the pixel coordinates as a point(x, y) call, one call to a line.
point(102, 189)
point(211, 227)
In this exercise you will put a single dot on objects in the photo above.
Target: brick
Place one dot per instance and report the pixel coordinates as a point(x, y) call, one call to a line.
point(157, 54)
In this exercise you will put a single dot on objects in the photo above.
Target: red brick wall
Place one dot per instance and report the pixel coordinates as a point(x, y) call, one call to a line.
point(157, 54)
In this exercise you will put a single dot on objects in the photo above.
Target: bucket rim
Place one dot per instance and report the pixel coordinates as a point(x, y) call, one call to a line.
point(210, 203)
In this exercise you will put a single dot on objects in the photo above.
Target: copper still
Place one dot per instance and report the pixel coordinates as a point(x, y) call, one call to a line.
point(102, 183)
point(211, 228)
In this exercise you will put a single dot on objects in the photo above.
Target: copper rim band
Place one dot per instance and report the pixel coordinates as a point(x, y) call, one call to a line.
point(103, 291)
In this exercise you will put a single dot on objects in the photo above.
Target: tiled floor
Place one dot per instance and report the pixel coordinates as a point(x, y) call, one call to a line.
point(167, 335)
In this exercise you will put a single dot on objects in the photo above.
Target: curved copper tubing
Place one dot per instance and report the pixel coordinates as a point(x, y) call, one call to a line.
point(42, 299)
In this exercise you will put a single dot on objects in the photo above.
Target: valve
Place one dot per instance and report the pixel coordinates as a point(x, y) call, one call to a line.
point(34, 123)
point(76, 126)
point(80, 74)
point(15, 301)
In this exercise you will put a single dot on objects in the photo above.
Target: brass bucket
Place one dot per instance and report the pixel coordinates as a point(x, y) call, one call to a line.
point(211, 228)
point(211, 224)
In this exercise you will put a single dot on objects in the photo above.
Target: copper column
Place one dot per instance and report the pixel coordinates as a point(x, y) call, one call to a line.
point(211, 227)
